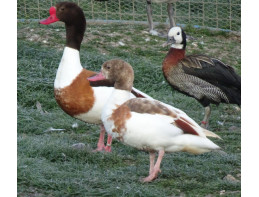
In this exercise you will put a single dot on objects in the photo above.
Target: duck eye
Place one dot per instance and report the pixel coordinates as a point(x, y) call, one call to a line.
point(178, 33)
point(62, 9)
point(107, 67)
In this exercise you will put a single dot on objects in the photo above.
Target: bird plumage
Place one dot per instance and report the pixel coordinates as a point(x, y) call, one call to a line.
point(73, 92)
point(148, 124)
point(206, 79)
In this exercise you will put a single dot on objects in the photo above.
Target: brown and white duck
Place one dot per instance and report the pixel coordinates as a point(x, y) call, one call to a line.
point(147, 124)
point(206, 79)
point(73, 92)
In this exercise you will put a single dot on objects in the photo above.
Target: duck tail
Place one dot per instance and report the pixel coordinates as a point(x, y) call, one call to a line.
point(211, 134)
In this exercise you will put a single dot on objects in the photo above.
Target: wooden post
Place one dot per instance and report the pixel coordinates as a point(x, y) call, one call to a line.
point(92, 9)
point(217, 14)
point(120, 9)
point(25, 13)
point(133, 4)
point(38, 9)
point(230, 14)
point(189, 11)
point(203, 16)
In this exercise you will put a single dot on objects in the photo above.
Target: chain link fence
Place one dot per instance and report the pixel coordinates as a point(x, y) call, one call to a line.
point(219, 14)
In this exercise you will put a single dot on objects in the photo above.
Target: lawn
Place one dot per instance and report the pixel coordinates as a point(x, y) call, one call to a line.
point(49, 164)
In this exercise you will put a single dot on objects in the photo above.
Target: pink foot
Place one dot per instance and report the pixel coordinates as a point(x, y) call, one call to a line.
point(100, 144)
point(154, 169)
point(108, 149)
point(204, 124)
point(151, 176)
point(99, 148)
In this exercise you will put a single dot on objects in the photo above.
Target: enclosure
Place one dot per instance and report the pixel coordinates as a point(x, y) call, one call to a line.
point(49, 164)
point(221, 14)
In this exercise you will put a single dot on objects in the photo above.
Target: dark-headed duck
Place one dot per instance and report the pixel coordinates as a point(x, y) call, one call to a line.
point(73, 92)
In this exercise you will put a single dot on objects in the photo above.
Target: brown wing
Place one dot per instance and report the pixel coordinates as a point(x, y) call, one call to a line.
point(155, 107)
point(195, 61)
point(211, 70)
point(149, 107)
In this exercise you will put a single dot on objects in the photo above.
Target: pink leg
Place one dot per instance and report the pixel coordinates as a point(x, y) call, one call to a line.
point(100, 144)
point(205, 121)
point(152, 156)
point(156, 168)
point(109, 144)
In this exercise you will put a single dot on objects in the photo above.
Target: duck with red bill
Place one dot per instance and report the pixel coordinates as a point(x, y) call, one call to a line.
point(52, 18)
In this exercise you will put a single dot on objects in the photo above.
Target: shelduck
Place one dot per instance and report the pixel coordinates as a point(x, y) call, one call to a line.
point(147, 124)
point(72, 90)
point(206, 79)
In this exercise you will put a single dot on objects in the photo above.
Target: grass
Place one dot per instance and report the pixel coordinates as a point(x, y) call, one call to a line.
point(48, 165)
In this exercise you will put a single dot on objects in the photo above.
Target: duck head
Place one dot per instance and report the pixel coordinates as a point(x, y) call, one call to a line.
point(67, 12)
point(177, 38)
point(73, 17)
point(118, 72)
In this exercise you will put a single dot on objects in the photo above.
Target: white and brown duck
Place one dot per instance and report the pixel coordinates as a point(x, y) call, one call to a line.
point(147, 124)
point(73, 92)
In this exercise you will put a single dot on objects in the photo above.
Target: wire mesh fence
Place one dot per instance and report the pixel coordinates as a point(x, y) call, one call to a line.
point(220, 14)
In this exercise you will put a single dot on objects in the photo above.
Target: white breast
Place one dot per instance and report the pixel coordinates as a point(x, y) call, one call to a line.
point(69, 68)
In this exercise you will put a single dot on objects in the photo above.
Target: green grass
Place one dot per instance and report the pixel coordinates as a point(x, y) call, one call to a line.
point(48, 165)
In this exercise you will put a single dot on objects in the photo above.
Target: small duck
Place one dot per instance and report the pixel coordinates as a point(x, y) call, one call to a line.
point(206, 79)
point(146, 124)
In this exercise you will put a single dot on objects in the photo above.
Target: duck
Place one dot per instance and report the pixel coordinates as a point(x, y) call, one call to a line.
point(208, 80)
point(73, 92)
point(145, 124)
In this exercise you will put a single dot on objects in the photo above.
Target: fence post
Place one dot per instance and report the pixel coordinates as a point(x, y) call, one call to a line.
point(203, 16)
point(120, 9)
point(217, 16)
point(230, 15)
point(189, 19)
point(25, 12)
point(92, 9)
point(38, 9)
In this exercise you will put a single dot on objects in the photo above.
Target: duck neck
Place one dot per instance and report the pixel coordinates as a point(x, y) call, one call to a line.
point(69, 68)
point(172, 58)
point(118, 97)
point(75, 34)
point(174, 55)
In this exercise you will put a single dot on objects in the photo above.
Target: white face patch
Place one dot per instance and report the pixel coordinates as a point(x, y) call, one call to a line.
point(176, 33)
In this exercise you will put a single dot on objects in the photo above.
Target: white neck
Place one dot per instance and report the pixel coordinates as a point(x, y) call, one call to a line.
point(177, 46)
point(117, 97)
point(69, 68)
